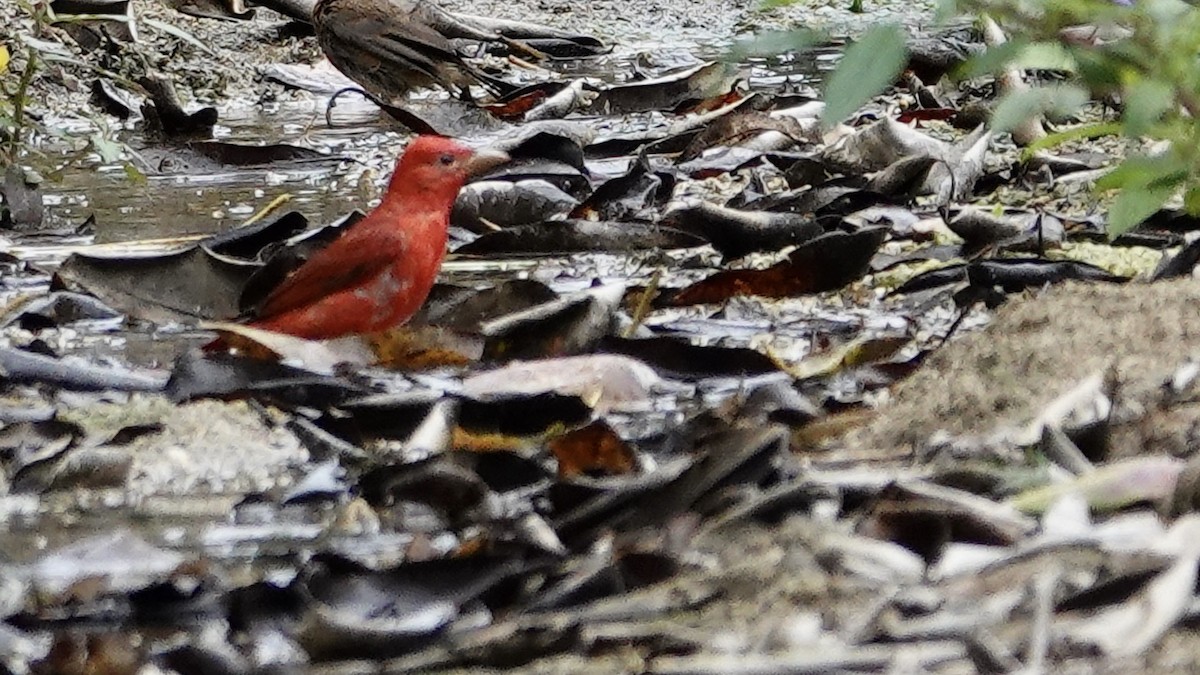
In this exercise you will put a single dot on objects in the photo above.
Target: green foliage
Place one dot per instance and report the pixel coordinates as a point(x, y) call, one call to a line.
point(1148, 60)
point(1144, 55)
point(869, 65)
point(1058, 100)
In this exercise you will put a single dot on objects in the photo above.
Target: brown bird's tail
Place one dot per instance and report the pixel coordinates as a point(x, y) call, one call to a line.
point(496, 86)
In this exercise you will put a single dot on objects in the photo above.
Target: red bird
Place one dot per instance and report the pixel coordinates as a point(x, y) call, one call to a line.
point(377, 275)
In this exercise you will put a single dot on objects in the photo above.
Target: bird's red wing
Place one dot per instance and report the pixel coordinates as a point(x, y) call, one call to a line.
point(346, 263)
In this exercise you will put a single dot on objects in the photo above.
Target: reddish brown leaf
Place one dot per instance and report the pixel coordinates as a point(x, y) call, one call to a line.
point(826, 263)
point(594, 449)
point(926, 115)
point(516, 108)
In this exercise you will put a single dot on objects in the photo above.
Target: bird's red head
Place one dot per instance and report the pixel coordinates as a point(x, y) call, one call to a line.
point(437, 167)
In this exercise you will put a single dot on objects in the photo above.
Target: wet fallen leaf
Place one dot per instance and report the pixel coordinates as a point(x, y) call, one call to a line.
point(604, 381)
point(826, 263)
point(592, 450)
point(1112, 486)
point(736, 233)
point(665, 93)
point(577, 236)
point(683, 359)
point(197, 375)
point(22, 204)
point(18, 366)
point(562, 326)
point(185, 283)
point(860, 351)
point(625, 196)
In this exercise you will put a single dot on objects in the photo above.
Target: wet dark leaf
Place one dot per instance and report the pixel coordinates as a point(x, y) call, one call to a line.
point(57, 309)
point(942, 252)
point(924, 518)
point(681, 358)
point(561, 173)
point(213, 9)
point(902, 178)
point(389, 415)
point(667, 92)
point(623, 197)
point(519, 416)
point(247, 242)
point(826, 263)
point(23, 367)
point(584, 504)
point(576, 236)
point(354, 612)
point(165, 115)
point(737, 233)
point(481, 205)
point(187, 283)
point(22, 206)
point(282, 258)
point(197, 375)
point(465, 309)
point(441, 482)
point(1180, 264)
point(1014, 275)
point(112, 100)
point(213, 156)
point(562, 147)
point(566, 325)
point(1010, 274)
point(1013, 230)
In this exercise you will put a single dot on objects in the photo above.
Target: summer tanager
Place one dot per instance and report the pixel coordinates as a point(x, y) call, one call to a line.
point(376, 275)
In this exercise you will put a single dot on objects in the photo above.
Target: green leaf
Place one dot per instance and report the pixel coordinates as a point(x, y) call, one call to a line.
point(134, 174)
point(1083, 131)
point(990, 60)
point(1146, 172)
point(1191, 200)
point(1134, 205)
point(1016, 107)
point(1044, 56)
point(944, 11)
point(867, 68)
point(774, 43)
point(108, 149)
point(1145, 103)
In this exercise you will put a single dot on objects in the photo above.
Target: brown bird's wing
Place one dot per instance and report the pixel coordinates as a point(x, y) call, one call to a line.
point(347, 262)
point(411, 43)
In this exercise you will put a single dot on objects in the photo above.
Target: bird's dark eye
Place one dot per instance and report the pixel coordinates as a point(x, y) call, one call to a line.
point(446, 159)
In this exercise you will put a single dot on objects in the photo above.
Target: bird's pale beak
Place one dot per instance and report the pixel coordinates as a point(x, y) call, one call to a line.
point(485, 159)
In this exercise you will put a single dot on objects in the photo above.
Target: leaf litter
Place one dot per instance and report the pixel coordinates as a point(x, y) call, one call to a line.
point(691, 398)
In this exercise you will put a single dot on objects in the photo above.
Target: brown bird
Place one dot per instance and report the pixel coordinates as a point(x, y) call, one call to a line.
point(392, 46)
